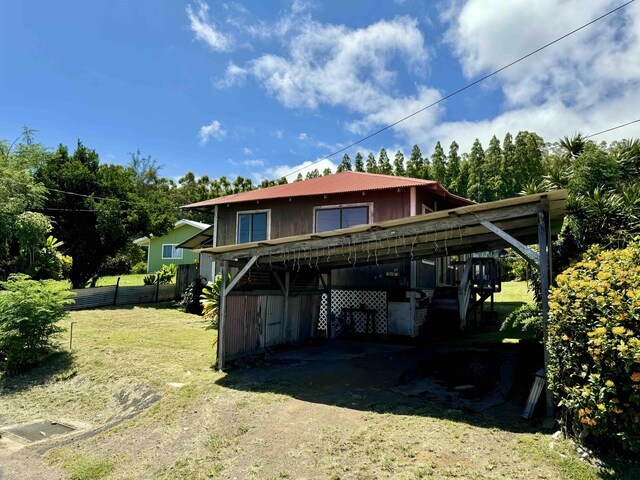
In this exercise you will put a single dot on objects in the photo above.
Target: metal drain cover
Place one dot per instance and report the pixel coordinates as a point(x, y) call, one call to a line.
point(36, 431)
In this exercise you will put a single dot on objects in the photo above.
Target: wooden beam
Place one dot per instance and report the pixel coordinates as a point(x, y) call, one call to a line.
point(527, 253)
point(544, 300)
point(222, 313)
point(279, 282)
point(241, 274)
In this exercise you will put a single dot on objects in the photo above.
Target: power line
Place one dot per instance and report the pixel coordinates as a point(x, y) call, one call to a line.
point(612, 128)
point(462, 89)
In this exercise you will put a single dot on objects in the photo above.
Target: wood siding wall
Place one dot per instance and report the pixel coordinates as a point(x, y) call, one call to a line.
point(256, 322)
point(295, 217)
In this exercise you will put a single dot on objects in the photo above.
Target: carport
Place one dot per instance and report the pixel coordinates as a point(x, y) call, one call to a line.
point(513, 223)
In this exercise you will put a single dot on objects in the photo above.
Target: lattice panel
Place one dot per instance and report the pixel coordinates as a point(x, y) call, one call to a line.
point(354, 298)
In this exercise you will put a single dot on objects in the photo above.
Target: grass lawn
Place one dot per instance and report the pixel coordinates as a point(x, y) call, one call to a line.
point(267, 422)
point(125, 280)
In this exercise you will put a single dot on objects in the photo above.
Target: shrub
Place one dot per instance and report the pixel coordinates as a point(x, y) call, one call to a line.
point(140, 267)
point(594, 346)
point(117, 265)
point(29, 312)
point(163, 276)
point(190, 301)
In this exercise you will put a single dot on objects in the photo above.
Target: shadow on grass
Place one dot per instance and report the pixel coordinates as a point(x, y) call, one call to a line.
point(56, 367)
point(363, 377)
point(169, 305)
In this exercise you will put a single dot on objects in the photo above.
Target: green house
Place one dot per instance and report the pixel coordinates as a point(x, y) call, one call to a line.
point(162, 250)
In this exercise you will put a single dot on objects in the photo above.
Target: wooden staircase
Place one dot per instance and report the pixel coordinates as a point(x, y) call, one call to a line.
point(480, 281)
point(464, 304)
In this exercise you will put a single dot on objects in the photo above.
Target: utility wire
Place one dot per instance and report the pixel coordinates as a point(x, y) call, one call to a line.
point(612, 128)
point(462, 89)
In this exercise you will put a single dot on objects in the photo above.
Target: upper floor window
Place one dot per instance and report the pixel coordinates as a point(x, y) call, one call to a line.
point(252, 226)
point(340, 217)
point(169, 251)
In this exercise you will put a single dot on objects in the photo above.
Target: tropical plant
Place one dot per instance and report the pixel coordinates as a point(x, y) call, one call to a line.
point(190, 299)
point(161, 277)
point(572, 146)
point(594, 347)
point(210, 299)
point(29, 314)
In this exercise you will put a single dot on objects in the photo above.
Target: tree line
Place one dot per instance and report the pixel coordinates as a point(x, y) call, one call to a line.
point(65, 214)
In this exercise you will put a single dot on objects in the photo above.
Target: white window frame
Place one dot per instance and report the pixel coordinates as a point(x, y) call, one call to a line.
point(246, 212)
point(174, 250)
point(343, 205)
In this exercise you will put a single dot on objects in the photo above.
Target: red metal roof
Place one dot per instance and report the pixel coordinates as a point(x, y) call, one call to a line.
point(343, 182)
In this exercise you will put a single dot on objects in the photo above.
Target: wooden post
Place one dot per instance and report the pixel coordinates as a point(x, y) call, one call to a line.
point(157, 287)
point(115, 294)
point(544, 299)
point(285, 312)
point(222, 307)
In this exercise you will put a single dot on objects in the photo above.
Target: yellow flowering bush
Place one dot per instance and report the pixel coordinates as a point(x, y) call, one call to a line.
point(594, 346)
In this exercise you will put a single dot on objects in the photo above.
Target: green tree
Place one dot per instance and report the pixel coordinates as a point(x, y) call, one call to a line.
point(384, 165)
point(477, 189)
point(415, 165)
point(465, 174)
point(527, 160)
point(439, 165)
point(326, 171)
point(19, 193)
point(299, 178)
point(345, 164)
point(452, 182)
point(109, 205)
point(371, 165)
point(493, 158)
point(359, 164)
point(315, 173)
point(398, 164)
point(508, 164)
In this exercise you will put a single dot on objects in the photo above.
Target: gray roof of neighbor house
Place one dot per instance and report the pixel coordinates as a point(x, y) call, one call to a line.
point(344, 182)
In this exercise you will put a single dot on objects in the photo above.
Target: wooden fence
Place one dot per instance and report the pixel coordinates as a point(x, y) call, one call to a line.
point(118, 295)
point(184, 276)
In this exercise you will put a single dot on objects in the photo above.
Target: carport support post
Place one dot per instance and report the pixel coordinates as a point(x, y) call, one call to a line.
point(543, 219)
point(222, 310)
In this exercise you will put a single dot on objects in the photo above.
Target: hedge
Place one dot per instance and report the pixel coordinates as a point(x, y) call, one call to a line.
point(594, 347)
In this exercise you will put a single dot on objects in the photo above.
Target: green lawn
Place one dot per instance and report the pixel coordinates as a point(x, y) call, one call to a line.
point(125, 280)
point(207, 425)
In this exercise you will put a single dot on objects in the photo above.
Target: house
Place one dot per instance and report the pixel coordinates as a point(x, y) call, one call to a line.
point(335, 202)
point(164, 250)
point(362, 254)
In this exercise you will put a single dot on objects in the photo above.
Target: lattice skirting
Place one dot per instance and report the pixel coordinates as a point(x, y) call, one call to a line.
point(355, 298)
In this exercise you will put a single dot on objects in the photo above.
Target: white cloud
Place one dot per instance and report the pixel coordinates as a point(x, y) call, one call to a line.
point(587, 82)
point(205, 30)
point(233, 75)
point(247, 151)
point(278, 133)
point(254, 163)
point(280, 171)
point(214, 129)
point(303, 136)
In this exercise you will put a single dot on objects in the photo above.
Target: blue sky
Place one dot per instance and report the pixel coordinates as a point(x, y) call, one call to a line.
point(259, 88)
